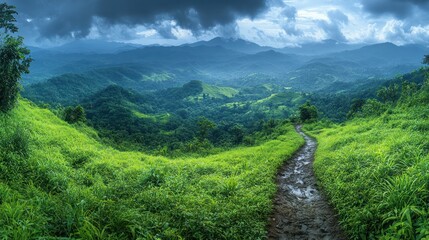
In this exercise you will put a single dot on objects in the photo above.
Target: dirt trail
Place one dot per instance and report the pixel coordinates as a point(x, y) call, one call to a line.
point(300, 209)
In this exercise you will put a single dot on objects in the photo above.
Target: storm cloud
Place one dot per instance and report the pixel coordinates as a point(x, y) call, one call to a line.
point(289, 22)
point(401, 9)
point(332, 28)
point(278, 23)
point(74, 18)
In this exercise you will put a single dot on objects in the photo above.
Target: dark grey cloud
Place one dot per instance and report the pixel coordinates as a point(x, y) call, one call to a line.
point(74, 18)
point(227, 31)
point(401, 9)
point(332, 28)
point(289, 22)
point(165, 29)
point(276, 3)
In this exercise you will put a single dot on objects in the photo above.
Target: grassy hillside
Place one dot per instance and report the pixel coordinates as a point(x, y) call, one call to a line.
point(283, 104)
point(218, 92)
point(375, 168)
point(57, 181)
point(71, 88)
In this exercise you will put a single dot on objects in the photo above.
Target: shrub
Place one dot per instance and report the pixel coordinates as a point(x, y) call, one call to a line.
point(14, 153)
point(74, 115)
point(17, 143)
point(308, 112)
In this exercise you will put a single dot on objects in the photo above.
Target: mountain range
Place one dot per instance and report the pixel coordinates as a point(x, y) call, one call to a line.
point(230, 62)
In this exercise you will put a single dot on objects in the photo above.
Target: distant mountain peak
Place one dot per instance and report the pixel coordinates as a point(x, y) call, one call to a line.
point(270, 52)
point(385, 45)
point(230, 40)
point(235, 44)
point(222, 39)
point(330, 41)
point(94, 46)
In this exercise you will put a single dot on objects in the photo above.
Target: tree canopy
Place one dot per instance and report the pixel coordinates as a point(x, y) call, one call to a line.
point(426, 60)
point(308, 112)
point(14, 60)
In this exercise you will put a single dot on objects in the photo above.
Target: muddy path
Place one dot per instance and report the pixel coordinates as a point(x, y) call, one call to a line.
point(300, 210)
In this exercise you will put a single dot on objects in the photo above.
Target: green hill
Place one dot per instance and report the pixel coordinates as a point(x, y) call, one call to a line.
point(57, 181)
point(210, 91)
point(152, 120)
point(279, 105)
point(72, 88)
point(218, 92)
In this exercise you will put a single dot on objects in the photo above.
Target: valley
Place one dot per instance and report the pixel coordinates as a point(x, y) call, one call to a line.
point(321, 136)
point(238, 85)
point(214, 147)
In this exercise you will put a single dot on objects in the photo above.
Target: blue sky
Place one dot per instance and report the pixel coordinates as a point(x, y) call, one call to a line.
point(276, 23)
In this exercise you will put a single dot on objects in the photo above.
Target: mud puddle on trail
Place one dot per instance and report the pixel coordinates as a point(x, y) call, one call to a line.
point(300, 210)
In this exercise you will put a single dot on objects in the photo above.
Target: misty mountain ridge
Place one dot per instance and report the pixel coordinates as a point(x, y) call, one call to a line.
point(328, 46)
point(91, 46)
point(235, 44)
point(221, 61)
point(319, 48)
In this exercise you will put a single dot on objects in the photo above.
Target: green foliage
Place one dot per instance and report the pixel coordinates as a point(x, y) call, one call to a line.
point(373, 107)
point(237, 133)
point(14, 60)
point(356, 108)
point(426, 59)
point(407, 92)
point(308, 112)
point(204, 128)
point(166, 122)
point(14, 153)
point(389, 94)
point(74, 115)
point(72, 186)
point(7, 19)
point(375, 168)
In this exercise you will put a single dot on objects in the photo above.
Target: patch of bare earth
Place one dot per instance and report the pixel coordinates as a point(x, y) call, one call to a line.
point(300, 210)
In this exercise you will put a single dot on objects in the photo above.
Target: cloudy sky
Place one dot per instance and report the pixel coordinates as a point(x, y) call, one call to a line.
point(276, 23)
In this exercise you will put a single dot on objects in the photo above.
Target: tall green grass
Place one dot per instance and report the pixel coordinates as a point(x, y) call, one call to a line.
point(375, 171)
point(57, 181)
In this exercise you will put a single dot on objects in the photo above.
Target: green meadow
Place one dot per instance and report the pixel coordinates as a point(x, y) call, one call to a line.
point(57, 181)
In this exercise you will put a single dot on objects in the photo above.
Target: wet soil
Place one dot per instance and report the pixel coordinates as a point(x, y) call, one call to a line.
point(301, 211)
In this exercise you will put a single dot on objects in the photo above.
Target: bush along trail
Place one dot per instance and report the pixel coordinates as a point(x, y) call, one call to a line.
point(300, 209)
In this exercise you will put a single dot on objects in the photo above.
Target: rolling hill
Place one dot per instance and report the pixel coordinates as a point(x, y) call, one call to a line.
point(220, 61)
point(58, 181)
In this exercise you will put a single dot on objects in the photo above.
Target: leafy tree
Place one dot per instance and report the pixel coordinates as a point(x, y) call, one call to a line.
point(409, 89)
point(308, 112)
point(373, 107)
point(426, 60)
point(356, 107)
point(14, 59)
point(74, 115)
point(389, 94)
point(237, 133)
point(204, 128)
point(268, 126)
